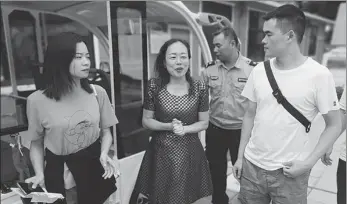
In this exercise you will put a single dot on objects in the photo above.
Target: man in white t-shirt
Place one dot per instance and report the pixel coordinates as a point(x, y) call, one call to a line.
point(271, 164)
point(341, 168)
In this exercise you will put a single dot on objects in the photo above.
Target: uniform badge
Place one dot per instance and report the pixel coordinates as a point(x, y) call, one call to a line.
point(252, 63)
point(242, 79)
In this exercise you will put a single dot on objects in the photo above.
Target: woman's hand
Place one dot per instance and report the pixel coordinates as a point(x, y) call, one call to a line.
point(178, 128)
point(115, 164)
point(108, 167)
point(111, 166)
point(37, 180)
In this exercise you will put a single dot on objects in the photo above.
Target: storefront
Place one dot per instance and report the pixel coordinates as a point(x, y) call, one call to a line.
point(246, 17)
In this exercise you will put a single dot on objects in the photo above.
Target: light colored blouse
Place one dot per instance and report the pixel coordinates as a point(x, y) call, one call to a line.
point(69, 125)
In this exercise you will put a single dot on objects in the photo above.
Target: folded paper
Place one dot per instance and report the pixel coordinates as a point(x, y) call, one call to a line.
point(39, 196)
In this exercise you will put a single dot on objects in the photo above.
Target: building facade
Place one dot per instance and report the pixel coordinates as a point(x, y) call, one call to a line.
point(246, 17)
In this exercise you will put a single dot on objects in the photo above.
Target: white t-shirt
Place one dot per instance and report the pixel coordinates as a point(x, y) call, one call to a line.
point(277, 136)
point(343, 106)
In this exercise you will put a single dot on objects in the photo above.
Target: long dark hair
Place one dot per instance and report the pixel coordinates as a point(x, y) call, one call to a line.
point(60, 52)
point(160, 69)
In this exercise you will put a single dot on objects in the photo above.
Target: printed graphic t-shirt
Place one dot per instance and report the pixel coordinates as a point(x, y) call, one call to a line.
point(69, 125)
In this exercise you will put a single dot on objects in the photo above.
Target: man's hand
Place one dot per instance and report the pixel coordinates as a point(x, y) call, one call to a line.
point(295, 168)
point(326, 157)
point(38, 180)
point(237, 169)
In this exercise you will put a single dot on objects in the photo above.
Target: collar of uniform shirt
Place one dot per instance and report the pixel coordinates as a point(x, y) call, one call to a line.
point(236, 65)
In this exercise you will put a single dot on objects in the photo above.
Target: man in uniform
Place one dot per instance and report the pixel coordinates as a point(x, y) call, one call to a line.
point(225, 78)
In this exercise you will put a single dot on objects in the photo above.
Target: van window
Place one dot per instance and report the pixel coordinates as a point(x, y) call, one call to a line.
point(4, 67)
point(104, 30)
point(24, 46)
point(55, 25)
point(129, 67)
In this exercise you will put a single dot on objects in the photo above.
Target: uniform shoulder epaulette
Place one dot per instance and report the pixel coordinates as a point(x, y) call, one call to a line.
point(252, 63)
point(210, 64)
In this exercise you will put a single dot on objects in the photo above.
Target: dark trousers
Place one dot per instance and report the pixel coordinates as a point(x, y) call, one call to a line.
point(218, 142)
point(341, 182)
point(87, 171)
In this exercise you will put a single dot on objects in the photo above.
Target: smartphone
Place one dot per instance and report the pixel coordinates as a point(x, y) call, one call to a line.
point(27, 188)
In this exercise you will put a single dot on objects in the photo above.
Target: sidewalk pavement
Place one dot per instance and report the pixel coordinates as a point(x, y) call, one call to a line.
point(322, 181)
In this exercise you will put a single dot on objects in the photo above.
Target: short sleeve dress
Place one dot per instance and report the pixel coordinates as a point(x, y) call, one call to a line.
point(174, 168)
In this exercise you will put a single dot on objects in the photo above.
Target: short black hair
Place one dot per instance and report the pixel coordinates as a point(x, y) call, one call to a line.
point(60, 52)
point(290, 18)
point(228, 32)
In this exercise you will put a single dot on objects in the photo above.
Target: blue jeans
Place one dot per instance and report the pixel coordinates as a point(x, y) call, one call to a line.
point(259, 186)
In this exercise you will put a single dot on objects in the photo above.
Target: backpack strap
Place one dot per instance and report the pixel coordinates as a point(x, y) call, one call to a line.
point(95, 92)
point(282, 100)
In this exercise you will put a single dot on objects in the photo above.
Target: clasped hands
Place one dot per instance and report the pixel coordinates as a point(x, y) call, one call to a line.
point(177, 127)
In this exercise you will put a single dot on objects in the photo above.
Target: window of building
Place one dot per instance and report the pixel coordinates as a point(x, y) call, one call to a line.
point(328, 34)
point(312, 40)
point(255, 49)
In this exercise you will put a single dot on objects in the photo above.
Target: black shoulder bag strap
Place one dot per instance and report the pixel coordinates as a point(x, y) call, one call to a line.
point(282, 100)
